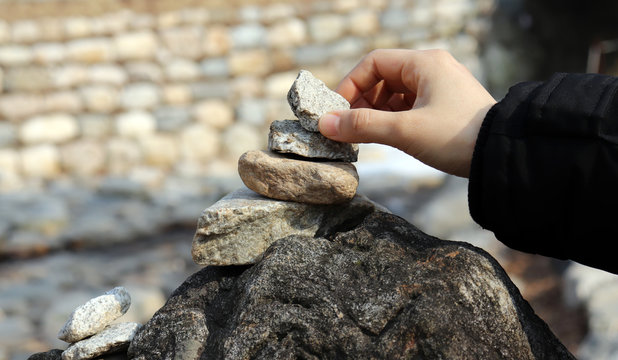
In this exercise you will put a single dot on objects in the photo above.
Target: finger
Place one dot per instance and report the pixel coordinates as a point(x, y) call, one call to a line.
point(361, 103)
point(363, 126)
point(378, 96)
point(375, 98)
point(397, 102)
point(385, 100)
point(395, 67)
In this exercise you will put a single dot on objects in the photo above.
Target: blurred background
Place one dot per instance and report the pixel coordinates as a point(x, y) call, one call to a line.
point(121, 120)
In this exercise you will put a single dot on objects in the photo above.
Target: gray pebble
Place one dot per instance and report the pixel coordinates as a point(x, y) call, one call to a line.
point(112, 338)
point(93, 316)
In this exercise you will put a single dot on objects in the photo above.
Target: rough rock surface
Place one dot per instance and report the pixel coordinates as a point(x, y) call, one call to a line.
point(182, 334)
point(310, 98)
point(240, 227)
point(374, 288)
point(93, 316)
point(53, 354)
point(288, 136)
point(279, 177)
point(113, 338)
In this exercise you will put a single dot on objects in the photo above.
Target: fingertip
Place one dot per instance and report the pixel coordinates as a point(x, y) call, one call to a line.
point(329, 124)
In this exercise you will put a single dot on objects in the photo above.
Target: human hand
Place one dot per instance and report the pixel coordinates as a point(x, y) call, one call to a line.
point(422, 102)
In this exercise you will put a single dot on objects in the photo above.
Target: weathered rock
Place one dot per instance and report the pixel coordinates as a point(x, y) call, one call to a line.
point(215, 113)
point(310, 98)
point(254, 62)
point(54, 128)
point(287, 32)
point(99, 98)
point(183, 334)
point(279, 177)
point(326, 27)
point(135, 123)
point(135, 45)
point(42, 160)
point(113, 338)
point(93, 316)
point(373, 288)
point(142, 95)
point(54, 354)
point(15, 55)
point(288, 136)
point(237, 229)
point(90, 51)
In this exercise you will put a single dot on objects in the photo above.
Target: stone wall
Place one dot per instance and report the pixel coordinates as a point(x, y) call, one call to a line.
point(144, 95)
point(122, 118)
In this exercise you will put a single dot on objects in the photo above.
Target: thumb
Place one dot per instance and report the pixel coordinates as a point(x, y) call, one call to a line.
point(362, 126)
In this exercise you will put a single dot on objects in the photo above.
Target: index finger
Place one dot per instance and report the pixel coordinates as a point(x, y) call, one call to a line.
point(393, 66)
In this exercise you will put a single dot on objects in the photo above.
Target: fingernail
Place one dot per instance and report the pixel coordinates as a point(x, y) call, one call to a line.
point(329, 124)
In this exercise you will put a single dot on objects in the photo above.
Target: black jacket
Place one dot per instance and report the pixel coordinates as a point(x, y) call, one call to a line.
point(544, 175)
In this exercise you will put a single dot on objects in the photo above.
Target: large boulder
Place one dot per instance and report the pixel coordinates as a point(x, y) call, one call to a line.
point(373, 288)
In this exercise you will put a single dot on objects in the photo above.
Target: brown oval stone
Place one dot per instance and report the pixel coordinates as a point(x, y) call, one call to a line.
point(282, 178)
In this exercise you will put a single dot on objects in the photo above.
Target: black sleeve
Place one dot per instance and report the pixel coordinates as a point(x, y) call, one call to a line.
point(544, 175)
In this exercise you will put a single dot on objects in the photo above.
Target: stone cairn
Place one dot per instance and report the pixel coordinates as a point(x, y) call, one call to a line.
point(90, 331)
point(302, 185)
point(291, 170)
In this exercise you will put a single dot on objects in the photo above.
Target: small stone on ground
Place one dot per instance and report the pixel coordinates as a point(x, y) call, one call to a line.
point(113, 338)
point(93, 316)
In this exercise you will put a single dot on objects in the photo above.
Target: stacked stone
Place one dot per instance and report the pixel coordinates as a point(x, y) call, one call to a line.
point(90, 331)
point(305, 184)
point(302, 165)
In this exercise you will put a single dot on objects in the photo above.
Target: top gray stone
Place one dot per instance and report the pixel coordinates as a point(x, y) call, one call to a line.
point(288, 136)
point(310, 98)
point(93, 316)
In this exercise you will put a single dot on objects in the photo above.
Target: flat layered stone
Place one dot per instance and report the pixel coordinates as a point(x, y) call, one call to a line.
point(278, 177)
point(237, 229)
point(288, 136)
point(113, 338)
point(310, 98)
point(93, 316)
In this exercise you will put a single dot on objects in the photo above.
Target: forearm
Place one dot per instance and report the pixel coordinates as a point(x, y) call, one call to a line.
point(544, 175)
